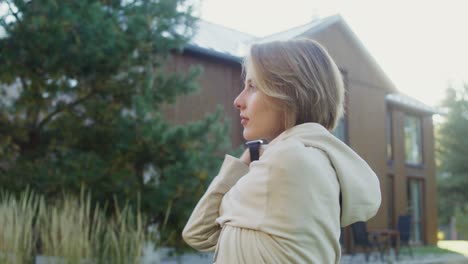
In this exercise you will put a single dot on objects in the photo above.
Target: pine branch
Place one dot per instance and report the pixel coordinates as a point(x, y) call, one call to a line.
point(67, 107)
point(11, 11)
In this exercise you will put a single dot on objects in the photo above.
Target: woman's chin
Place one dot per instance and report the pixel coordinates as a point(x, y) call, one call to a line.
point(248, 136)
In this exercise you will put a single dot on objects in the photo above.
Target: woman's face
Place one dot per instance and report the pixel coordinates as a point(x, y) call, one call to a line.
point(258, 116)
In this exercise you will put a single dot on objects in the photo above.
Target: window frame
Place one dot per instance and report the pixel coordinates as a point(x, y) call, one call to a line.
point(421, 141)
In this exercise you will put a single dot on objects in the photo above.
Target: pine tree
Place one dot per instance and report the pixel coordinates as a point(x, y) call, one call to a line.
point(82, 84)
point(452, 151)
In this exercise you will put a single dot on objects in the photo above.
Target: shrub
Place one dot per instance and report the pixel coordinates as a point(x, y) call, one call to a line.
point(69, 229)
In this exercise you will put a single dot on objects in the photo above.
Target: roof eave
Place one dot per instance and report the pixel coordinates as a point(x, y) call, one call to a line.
point(422, 110)
point(213, 53)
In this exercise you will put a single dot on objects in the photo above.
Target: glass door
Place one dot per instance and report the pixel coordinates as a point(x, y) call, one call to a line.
point(415, 208)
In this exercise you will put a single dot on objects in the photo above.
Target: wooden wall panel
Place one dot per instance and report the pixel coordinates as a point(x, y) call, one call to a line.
point(219, 83)
point(399, 167)
point(426, 173)
point(366, 116)
point(431, 225)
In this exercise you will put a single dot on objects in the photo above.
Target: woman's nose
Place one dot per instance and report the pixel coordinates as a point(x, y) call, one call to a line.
point(238, 102)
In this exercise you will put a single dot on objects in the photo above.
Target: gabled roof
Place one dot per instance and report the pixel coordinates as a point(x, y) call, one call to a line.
point(315, 25)
point(218, 41)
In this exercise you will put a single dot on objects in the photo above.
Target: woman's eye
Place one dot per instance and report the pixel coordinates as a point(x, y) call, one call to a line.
point(251, 87)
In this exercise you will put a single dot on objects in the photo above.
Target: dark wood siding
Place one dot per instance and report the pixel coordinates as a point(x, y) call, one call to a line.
point(220, 83)
point(367, 135)
point(424, 173)
point(431, 184)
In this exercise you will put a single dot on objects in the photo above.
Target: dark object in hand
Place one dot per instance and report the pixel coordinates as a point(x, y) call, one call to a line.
point(254, 148)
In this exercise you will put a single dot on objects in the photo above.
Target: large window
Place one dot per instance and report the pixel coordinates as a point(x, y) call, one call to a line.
point(388, 134)
point(413, 140)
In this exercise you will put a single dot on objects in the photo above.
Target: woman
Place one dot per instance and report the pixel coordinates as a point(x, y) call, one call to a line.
point(286, 207)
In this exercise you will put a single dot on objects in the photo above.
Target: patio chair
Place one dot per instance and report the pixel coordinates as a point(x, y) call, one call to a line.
point(404, 227)
point(368, 242)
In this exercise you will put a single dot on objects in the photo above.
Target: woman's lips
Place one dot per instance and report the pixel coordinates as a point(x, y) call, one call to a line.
point(244, 121)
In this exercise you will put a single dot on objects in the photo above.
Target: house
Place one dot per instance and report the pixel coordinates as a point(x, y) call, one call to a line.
point(391, 131)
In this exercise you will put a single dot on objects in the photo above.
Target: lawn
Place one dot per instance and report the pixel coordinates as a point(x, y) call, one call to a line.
point(425, 250)
point(458, 246)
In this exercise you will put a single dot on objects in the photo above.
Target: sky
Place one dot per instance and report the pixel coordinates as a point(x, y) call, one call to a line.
point(422, 45)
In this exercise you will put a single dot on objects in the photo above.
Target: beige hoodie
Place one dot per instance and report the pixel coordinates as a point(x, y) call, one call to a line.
point(285, 208)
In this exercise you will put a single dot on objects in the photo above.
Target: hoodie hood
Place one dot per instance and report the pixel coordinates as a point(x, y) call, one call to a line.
point(359, 185)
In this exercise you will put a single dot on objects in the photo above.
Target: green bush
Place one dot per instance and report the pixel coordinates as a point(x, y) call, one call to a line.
point(461, 222)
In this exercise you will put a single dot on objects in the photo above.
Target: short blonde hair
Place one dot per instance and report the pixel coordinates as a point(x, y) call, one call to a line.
point(301, 78)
